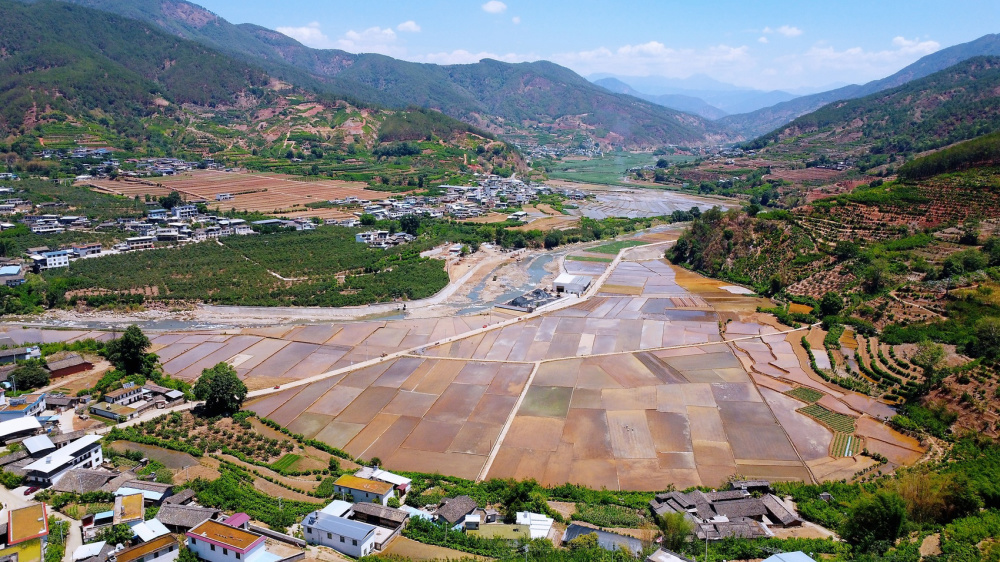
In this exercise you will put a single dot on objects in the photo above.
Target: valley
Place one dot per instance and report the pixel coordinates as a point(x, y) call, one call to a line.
point(331, 293)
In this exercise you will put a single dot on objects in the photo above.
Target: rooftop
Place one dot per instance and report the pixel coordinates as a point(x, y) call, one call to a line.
point(238, 539)
point(129, 508)
point(137, 552)
point(62, 456)
point(344, 527)
point(381, 511)
point(69, 361)
point(184, 515)
point(17, 425)
point(27, 523)
point(38, 443)
point(355, 483)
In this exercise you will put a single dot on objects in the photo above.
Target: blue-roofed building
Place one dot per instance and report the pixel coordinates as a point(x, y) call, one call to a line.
point(157, 214)
point(352, 538)
point(11, 275)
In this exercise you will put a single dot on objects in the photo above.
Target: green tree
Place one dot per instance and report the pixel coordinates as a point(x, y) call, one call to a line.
point(221, 389)
point(393, 502)
point(831, 304)
point(987, 332)
point(128, 353)
point(874, 521)
point(410, 224)
point(676, 529)
point(367, 220)
point(170, 201)
point(29, 376)
point(116, 534)
point(186, 555)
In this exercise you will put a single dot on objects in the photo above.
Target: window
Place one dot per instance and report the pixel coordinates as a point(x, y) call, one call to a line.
point(354, 542)
point(329, 535)
point(156, 555)
point(225, 552)
point(212, 547)
point(342, 539)
point(193, 541)
point(237, 555)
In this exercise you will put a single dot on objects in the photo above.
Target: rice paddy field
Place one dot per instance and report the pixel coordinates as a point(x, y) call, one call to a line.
point(658, 378)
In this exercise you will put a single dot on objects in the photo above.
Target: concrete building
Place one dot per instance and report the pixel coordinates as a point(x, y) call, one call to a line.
point(573, 284)
point(213, 541)
point(161, 549)
point(341, 534)
point(85, 452)
point(363, 490)
point(127, 394)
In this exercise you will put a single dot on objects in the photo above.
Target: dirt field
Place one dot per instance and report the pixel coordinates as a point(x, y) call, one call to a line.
point(631, 388)
point(268, 193)
point(413, 550)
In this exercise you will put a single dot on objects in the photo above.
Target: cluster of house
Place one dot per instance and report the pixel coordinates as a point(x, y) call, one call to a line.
point(587, 148)
point(747, 510)
point(179, 522)
point(382, 238)
point(131, 400)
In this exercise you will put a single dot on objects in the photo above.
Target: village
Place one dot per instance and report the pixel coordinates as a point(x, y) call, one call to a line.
point(191, 220)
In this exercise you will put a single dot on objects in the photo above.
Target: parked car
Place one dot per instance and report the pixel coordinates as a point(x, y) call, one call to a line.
point(31, 490)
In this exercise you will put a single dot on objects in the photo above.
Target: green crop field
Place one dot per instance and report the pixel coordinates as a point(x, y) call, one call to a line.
point(845, 445)
point(589, 258)
point(615, 247)
point(833, 420)
point(609, 169)
point(805, 394)
point(285, 462)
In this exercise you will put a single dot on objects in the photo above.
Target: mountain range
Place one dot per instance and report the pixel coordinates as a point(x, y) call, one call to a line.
point(539, 98)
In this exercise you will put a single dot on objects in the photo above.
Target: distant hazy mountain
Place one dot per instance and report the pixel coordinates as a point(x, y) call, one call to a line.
point(764, 120)
point(719, 95)
point(490, 93)
point(687, 104)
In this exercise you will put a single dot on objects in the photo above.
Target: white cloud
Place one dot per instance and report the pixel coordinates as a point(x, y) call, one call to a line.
point(655, 58)
point(310, 35)
point(786, 30)
point(495, 7)
point(763, 39)
point(516, 20)
point(461, 56)
point(409, 26)
point(372, 40)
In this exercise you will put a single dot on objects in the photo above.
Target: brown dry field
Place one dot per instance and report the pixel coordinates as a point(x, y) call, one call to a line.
point(630, 389)
point(412, 550)
point(252, 192)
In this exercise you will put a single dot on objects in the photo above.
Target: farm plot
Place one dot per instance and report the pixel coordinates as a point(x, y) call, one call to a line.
point(833, 420)
point(809, 395)
point(266, 193)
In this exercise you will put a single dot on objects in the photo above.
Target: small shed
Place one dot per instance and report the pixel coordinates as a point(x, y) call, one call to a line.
point(573, 284)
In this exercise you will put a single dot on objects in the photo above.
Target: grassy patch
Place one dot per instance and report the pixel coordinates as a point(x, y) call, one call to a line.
point(805, 394)
point(615, 247)
point(285, 462)
point(833, 420)
point(589, 258)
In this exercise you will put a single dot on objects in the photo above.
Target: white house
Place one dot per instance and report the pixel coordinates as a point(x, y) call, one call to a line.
point(343, 535)
point(85, 452)
point(217, 542)
point(363, 490)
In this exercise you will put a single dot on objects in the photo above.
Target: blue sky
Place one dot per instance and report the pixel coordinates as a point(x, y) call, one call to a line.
point(769, 45)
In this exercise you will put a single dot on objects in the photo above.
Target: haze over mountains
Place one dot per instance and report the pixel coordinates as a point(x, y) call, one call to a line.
point(504, 97)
